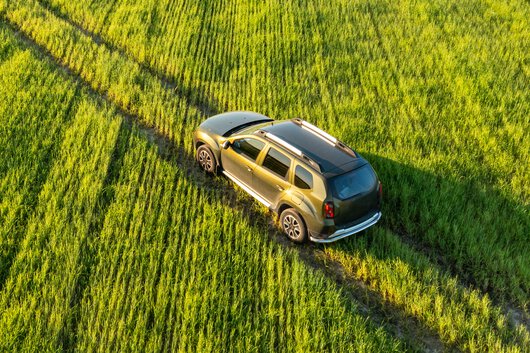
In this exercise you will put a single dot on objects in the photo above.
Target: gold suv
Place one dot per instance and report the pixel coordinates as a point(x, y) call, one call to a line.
point(321, 189)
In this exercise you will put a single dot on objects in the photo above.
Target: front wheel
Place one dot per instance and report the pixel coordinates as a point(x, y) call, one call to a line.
point(206, 159)
point(293, 226)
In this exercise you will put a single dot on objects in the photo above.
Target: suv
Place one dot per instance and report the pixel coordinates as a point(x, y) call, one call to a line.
point(321, 189)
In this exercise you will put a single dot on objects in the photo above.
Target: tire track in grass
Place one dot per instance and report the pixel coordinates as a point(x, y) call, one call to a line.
point(29, 193)
point(462, 316)
point(141, 87)
point(155, 133)
point(190, 106)
point(516, 315)
point(169, 83)
point(370, 302)
point(168, 150)
point(433, 251)
point(167, 147)
point(67, 337)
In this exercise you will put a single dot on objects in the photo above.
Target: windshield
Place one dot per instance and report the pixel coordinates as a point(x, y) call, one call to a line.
point(353, 183)
point(253, 125)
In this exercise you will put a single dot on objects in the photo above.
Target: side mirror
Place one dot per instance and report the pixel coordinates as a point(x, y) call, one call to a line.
point(226, 144)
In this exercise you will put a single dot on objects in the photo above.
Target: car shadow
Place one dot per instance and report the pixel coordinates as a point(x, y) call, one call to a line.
point(468, 229)
point(465, 234)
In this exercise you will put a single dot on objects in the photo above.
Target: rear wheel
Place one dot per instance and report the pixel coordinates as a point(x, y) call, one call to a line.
point(293, 226)
point(206, 159)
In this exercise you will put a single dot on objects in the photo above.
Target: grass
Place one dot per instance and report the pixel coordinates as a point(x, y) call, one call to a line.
point(435, 94)
point(110, 194)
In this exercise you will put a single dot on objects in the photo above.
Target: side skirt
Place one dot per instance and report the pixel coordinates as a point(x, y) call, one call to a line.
point(248, 189)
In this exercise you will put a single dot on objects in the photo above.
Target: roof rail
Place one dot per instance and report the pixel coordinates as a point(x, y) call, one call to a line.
point(292, 149)
point(324, 135)
point(317, 131)
point(284, 144)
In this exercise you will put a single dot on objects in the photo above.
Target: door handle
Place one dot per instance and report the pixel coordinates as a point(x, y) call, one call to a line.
point(248, 168)
point(279, 187)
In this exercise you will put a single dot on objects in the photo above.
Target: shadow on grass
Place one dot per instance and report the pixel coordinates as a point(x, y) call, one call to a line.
point(419, 213)
point(471, 231)
point(206, 105)
point(15, 234)
point(369, 303)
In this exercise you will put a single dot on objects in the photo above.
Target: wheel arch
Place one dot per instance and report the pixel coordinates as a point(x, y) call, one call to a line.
point(282, 206)
point(306, 213)
point(212, 145)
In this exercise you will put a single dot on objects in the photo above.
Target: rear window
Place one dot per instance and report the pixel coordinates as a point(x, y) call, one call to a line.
point(353, 183)
point(302, 178)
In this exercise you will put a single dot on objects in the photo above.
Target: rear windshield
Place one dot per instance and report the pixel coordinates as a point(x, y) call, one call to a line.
point(356, 182)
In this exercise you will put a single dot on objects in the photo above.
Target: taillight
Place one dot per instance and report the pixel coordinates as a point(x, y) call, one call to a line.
point(380, 190)
point(329, 209)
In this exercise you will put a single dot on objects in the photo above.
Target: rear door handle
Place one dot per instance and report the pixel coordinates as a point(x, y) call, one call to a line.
point(279, 187)
point(248, 168)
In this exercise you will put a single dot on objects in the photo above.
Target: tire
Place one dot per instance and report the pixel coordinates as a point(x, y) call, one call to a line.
point(293, 226)
point(206, 159)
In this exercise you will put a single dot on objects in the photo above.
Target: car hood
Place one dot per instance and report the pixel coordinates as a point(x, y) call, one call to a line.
point(226, 123)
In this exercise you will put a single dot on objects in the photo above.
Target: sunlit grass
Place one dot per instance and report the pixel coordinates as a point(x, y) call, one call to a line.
point(113, 257)
point(434, 93)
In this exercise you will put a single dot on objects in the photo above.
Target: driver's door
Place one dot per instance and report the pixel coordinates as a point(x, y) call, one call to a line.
point(239, 160)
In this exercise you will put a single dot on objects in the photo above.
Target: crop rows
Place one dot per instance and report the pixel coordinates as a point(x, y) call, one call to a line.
point(112, 258)
point(444, 125)
point(438, 103)
point(26, 164)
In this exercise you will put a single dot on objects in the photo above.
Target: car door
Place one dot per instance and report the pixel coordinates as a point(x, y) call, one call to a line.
point(239, 160)
point(271, 178)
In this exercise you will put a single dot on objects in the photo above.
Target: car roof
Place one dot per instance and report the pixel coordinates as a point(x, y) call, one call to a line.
point(332, 159)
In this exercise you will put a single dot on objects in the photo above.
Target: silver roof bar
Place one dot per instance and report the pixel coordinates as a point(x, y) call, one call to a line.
point(324, 135)
point(319, 132)
point(291, 148)
point(283, 143)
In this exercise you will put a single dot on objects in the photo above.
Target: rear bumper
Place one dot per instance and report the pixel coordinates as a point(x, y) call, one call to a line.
point(346, 232)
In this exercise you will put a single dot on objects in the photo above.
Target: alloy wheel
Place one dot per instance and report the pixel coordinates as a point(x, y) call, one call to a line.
point(291, 226)
point(205, 160)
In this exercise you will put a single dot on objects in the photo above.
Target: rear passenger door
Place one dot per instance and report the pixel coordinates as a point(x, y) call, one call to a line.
point(271, 178)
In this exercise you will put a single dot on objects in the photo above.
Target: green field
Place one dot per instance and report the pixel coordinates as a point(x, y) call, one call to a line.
point(112, 239)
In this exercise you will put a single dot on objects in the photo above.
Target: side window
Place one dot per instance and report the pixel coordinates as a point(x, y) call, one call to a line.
point(277, 162)
point(248, 147)
point(302, 178)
